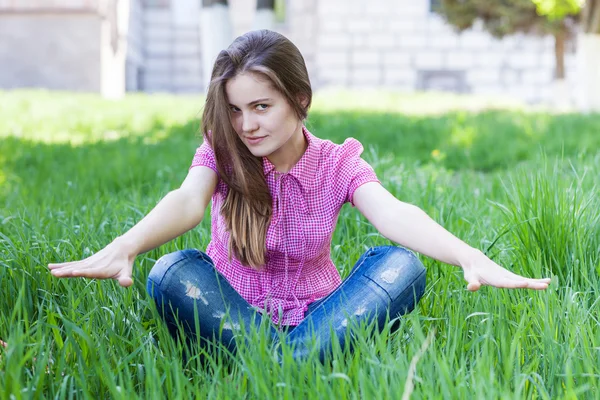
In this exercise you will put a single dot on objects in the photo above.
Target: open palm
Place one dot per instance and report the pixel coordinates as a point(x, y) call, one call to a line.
point(110, 262)
point(483, 271)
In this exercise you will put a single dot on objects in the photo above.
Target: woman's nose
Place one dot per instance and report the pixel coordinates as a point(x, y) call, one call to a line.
point(249, 123)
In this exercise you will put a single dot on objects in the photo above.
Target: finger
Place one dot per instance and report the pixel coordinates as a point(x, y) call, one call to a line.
point(65, 266)
point(535, 283)
point(516, 276)
point(523, 284)
point(74, 271)
point(514, 283)
point(538, 281)
point(124, 277)
point(61, 265)
point(125, 281)
point(538, 285)
point(60, 273)
point(97, 272)
point(543, 280)
point(70, 263)
point(531, 283)
point(64, 272)
point(506, 282)
point(75, 266)
point(473, 284)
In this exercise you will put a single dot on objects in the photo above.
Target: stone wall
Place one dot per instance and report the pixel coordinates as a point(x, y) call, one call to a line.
point(172, 44)
point(78, 45)
point(302, 27)
point(46, 5)
point(392, 44)
point(54, 51)
point(172, 50)
point(402, 45)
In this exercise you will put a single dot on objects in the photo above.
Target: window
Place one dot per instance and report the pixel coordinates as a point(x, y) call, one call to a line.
point(435, 5)
point(446, 81)
point(156, 3)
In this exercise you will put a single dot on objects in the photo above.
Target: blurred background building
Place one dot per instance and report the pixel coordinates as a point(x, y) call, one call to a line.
point(112, 46)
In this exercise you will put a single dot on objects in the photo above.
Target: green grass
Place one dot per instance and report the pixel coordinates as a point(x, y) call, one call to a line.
point(521, 184)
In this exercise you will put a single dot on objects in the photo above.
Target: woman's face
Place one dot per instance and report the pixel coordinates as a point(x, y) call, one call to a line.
point(261, 116)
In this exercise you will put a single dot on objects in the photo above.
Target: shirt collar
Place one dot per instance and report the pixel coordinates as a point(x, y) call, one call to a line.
point(305, 169)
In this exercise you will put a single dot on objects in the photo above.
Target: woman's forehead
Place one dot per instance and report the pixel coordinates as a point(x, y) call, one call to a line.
point(245, 88)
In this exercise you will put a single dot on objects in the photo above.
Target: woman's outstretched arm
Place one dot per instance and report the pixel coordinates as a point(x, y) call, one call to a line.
point(411, 227)
point(178, 212)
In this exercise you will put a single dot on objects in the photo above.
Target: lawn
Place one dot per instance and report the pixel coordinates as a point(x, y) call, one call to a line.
point(519, 183)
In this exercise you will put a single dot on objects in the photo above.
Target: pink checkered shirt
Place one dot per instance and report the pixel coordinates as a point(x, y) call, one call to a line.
point(306, 205)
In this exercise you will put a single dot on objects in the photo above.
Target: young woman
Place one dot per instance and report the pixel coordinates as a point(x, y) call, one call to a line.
point(277, 191)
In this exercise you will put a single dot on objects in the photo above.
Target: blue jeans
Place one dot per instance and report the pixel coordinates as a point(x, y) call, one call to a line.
point(385, 282)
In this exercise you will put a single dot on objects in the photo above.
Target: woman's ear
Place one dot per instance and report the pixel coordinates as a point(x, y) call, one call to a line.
point(303, 99)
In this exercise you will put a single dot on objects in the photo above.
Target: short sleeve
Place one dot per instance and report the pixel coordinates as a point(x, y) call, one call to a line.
point(352, 170)
point(205, 156)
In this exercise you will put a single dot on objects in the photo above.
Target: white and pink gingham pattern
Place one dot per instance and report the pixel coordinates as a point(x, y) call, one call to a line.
point(306, 205)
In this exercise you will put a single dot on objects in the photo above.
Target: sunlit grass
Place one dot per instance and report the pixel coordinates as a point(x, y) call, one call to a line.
point(521, 185)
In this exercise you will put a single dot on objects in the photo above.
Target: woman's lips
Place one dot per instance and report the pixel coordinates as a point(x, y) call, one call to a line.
point(255, 140)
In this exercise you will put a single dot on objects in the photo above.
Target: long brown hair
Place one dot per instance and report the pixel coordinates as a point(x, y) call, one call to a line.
point(247, 208)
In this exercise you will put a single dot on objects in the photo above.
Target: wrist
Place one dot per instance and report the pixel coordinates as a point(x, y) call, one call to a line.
point(469, 257)
point(125, 245)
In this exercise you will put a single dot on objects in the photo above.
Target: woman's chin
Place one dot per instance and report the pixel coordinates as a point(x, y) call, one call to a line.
point(258, 152)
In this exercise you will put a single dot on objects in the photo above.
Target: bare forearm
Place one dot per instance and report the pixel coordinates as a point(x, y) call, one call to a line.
point(411, 227)
point(174, 215)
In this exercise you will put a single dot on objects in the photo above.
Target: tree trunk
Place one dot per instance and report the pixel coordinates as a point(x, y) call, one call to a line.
point(561, 96)
point(590, 18)
point(559, 54)
point(265, 15)
point(216, 34)
point(588, 54)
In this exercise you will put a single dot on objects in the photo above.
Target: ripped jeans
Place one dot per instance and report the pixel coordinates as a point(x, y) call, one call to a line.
point(386, 281)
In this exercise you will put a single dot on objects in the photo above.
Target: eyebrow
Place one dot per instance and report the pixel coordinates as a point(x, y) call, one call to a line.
point(255, 101)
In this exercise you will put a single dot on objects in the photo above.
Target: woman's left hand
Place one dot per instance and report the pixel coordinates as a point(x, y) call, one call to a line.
point(480, 270)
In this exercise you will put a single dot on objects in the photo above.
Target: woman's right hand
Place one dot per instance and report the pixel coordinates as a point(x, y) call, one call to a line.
point(114, 261)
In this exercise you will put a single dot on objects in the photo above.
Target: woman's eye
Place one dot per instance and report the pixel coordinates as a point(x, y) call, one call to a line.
point(234, 109)
point(262, 107)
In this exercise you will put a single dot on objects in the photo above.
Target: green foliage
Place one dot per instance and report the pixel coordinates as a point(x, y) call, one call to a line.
point(279, 8)
point(500, 18)
point(558, 9)
point(75, 171)
point(506, 17)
